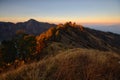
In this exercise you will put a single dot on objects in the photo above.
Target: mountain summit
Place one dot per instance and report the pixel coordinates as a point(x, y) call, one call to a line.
point(8, 30)
point(32, 20)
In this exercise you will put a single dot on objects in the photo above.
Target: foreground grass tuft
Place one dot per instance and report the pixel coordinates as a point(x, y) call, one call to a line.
point(72, 64)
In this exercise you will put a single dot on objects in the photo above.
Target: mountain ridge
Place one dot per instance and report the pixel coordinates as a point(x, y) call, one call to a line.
point(79, 36)
point(62, 49)
point(9, 29)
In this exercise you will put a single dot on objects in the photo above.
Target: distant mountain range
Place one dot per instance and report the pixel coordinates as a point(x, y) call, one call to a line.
point(115, 28)
point(9, 29)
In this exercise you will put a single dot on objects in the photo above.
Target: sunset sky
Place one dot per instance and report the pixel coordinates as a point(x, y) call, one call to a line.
point(58, 11)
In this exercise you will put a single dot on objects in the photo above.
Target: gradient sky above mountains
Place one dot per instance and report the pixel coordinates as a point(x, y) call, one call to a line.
point(56, 11)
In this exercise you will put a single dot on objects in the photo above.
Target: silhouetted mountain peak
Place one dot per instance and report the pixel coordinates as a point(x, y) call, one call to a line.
point(32, 20)
point(8, 29)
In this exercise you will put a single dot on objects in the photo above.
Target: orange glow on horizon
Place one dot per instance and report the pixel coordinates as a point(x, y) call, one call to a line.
point(62, 20)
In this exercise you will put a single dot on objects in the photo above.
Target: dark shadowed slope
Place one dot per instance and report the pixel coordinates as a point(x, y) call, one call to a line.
point(8, 30)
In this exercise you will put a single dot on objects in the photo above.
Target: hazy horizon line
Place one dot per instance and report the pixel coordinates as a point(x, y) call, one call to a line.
point(62, 22)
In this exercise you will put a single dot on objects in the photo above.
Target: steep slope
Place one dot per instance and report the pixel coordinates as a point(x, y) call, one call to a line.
point(8, 30)
point(72, 35)
point(72, 64)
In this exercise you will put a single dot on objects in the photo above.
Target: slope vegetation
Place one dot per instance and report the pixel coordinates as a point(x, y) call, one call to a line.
point(72, 64)
point(78, 36)
point(70, 52)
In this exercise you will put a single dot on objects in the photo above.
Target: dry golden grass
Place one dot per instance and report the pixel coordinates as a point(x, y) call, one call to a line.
point(72, 64)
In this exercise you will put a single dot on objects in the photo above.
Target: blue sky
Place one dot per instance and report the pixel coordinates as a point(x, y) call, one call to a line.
point(56, 11)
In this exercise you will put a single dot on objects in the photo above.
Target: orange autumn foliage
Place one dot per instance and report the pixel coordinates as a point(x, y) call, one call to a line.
point(54, 31)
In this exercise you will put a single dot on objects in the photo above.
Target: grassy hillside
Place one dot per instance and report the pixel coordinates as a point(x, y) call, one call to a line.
point(65, 52)
point(80, 37)
point(71, 64)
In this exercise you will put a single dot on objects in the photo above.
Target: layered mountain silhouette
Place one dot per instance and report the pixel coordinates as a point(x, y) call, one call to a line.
point(8, 29)
point(68, 34)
